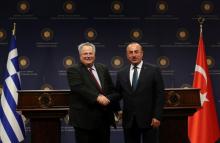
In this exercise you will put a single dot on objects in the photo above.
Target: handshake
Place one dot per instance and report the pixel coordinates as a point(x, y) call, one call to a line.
point(103, 100)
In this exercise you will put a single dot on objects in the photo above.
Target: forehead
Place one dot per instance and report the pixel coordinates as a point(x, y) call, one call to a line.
point(133, 47)
point(87, 48)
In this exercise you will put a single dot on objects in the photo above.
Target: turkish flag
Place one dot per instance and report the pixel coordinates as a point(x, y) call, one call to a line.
point(203, 126)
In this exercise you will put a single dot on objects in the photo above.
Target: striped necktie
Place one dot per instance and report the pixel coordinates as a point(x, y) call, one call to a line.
point(96, 82)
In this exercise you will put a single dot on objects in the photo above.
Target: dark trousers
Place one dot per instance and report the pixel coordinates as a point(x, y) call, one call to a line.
point(99, 135)
point(136, 134)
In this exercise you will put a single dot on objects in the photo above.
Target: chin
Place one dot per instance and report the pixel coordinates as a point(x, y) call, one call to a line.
point(88, 64)
point(134, 62)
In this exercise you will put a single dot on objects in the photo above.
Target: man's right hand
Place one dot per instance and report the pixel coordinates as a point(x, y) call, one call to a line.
point(101, 99)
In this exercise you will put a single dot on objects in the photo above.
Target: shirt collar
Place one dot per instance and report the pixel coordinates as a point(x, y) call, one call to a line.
point(92, 67)
point(138, 66)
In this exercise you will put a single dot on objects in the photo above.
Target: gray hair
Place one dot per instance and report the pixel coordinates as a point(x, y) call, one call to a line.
point(135, 43)
point(86, 44)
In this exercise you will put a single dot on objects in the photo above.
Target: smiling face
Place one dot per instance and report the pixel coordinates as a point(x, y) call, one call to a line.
point(134, 53)
point(87, 55)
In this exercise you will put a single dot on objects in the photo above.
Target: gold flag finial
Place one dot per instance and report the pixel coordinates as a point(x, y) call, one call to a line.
point(14, 28)
point(201, 20)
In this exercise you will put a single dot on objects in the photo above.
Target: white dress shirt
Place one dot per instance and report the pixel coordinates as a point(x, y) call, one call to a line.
point(139, 66)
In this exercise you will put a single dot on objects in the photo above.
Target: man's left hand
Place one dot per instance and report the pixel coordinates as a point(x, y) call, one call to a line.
point(155, 123)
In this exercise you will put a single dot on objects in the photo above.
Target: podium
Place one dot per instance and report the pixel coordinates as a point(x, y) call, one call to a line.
point(179, 104)
point(45, 108)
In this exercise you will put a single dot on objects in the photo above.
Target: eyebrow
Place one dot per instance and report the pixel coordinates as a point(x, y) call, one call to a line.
point(133, 50)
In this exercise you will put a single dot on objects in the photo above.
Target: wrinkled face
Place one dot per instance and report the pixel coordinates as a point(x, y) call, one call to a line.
point(87, 55)
point(134, 53)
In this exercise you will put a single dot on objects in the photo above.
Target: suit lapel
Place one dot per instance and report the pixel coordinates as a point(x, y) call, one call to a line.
point(100, 75)
point(87, 76)
point(127, 78)
point(141, 76)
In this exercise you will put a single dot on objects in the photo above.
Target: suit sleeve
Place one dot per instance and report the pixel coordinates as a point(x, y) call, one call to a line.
point(159, 93)
point(78, 87)
point(118, 85)
point(112, 95)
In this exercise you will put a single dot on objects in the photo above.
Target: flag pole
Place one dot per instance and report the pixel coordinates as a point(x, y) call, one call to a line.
point(14, 29)
point(201, 20)
point(203, 126)
point(12, 127)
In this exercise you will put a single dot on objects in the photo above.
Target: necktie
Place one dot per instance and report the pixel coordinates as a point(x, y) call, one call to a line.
point(135, 78)
point(96, 82)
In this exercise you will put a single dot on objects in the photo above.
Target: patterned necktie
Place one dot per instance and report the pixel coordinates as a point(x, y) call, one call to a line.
point(96, 82)
point(135, 78)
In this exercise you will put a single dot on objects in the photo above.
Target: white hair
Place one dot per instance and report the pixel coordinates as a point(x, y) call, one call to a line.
point(86, 44)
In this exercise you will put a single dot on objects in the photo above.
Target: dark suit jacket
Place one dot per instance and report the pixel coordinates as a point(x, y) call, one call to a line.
point(147, 101)
point(85, 112)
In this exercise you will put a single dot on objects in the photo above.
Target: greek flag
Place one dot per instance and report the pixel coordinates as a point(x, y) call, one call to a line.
point(11, 123)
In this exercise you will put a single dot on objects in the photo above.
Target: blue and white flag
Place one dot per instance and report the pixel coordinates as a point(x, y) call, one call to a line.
point(11, 123)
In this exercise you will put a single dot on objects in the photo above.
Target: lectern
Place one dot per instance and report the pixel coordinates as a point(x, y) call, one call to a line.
point(45, 108)
point(179, 104)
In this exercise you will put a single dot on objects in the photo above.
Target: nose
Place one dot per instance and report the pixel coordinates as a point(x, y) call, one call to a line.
point(87, 55)
point(133, 54)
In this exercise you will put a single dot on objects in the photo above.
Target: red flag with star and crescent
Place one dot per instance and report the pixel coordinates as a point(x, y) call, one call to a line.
point(203, 126)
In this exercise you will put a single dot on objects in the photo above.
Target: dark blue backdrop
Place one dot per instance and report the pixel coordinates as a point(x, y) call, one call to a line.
point(48, 33)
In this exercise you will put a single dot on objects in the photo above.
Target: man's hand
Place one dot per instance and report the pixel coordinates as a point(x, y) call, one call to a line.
point(118, 116)
point(155, 123)
point(101, 99)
